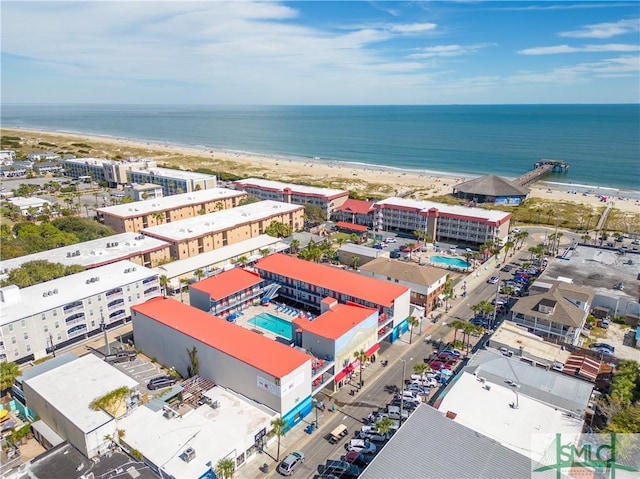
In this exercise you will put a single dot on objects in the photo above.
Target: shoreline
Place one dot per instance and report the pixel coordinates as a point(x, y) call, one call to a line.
point(352, 176)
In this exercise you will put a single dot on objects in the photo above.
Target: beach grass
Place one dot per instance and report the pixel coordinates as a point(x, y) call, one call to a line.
point(623, 221)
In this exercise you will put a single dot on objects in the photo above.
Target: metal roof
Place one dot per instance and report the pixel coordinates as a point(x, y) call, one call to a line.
point(431, 446)
point(550, 387)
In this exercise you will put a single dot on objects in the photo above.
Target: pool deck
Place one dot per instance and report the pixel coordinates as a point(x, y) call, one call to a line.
point(253, 311)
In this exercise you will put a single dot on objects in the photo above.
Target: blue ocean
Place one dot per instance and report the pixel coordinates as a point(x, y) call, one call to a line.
point(600, 142)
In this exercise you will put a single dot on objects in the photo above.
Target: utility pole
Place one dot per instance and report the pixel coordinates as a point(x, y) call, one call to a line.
point(104, 330)
point(53, 348)
point(404, 367)
point(495, 304)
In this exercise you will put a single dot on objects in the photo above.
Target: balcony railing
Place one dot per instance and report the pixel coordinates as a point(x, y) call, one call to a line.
point(73, 322)
point(73, 309)
point(77, 332)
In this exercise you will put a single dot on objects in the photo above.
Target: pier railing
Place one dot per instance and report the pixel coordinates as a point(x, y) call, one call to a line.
point(541, 168)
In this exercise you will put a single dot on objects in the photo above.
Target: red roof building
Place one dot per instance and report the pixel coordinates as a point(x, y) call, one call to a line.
point(319, 281)
point(343, 225)
point(356, 212)
point(227, 292)
point(232, 340)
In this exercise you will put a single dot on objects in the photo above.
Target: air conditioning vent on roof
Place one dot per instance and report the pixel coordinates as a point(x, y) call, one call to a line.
point(189, 454)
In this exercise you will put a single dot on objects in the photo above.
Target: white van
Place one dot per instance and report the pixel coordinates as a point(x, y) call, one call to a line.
point(394, 412)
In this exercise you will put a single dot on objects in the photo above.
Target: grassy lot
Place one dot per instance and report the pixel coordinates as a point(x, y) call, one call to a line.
point(623, 222)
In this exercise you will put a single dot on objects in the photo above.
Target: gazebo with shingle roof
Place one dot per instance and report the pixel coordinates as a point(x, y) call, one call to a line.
point(491, 189)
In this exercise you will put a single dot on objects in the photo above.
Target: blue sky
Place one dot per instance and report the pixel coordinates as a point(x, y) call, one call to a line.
point(420, 52)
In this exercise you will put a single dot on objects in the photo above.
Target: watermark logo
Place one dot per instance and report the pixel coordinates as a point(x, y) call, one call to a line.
point(601, 456)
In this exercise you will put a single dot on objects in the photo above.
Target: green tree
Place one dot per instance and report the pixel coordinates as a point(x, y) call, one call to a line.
point(355, 259)
point(84, 229)
point(314, 214)
point(194, 362)
point(199, 274)
point(413, 322)
point(279, 429)
point(384, 425)
point(361, 357)
point(164, 284)
point(448, 292)
point(159, 216)
point(8, 374)
point(242, 261)
point(184, 285)
point(278, 229)
point(421, 368)
point(457, 325)
point(295, 246)
point(247, 200)
point(483, 308)
point(225, 468)
point(38, 271)
point(508, 246)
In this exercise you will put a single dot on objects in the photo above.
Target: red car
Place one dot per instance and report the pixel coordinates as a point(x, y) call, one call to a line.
point(446, 358)
point(438, 365)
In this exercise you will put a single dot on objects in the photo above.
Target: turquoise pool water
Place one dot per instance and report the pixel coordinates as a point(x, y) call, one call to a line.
point(273, 324)
point(457, 262)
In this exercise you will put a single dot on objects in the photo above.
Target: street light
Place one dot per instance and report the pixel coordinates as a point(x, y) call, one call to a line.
point(404, 367)
point(495, 304)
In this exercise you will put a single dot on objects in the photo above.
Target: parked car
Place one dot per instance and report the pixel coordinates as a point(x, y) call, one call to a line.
point(479, 322)
point(121, 357)
point(406, 404)
point(506, 268)
point(493, 280)
point(372, 436)
point(357, 458)
point(341, 468)
point(619, 286)
point(361, 445)
point(290, 463)
point(160, 382)
point(602, 346)
point(391, 240)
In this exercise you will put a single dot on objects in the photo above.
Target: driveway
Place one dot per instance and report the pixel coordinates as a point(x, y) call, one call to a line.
point(616, 337)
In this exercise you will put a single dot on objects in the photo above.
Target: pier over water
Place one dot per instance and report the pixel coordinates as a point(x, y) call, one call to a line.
point(541, 168)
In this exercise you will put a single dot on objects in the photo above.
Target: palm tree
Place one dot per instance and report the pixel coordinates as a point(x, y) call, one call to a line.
point(410, 246)
point(295, 246)
point(158, 216)
point(164, 284)
point(225, 468)
point(421, 368)
point(242, 261)
point(413, 322)
point(384, 425)
point(468, 330)
point(507, 246)
point(484, 308)
point(448, 291)
point(361, 356)
point(355, 259)
point(279, 429)
point(8, 374)
point(457, 325)
point(199, 274)
point(184, 282)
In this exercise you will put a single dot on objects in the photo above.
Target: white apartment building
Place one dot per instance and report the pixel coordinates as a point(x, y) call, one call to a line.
point(144, 191)
point(326, 198)
point(46, 316)
point(134, 247)
point(443, 222)
point(101, 169)
point(173, 181)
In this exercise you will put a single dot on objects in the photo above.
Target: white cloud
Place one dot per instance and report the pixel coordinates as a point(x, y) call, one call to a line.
point(605, 30)
point(555, 49)
point(412, 27)
point(625, 66)
point(447, 50)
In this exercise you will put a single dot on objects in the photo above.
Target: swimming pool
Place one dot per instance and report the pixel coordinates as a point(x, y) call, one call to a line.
point(273, 324)
point(457, 262)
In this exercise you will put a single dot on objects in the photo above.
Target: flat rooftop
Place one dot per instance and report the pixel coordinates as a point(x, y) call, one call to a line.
point(94, 253)
point(336, 322)
point(36, 299)
point(491, 414)
point(279, 187)
point(212, 433)
point(168, 203)
point(220, 220)
point(227, 283)
point(22, 202)
point(251, 348)
point(220, 255)
point(453, 210)
point(71, 387)
point(599, 269)
point(173, 173)
point(333, 279)
point(514, 336)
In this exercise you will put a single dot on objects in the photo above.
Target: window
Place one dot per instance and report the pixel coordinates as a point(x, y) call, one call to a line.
point(26, 336)
point(23, 323)
point(28, 348)
point(46, 328)
point(59, 336)
point(44, 316)
point(13, 340)
point(57, 325)
point(16, 353)
point(55, 313)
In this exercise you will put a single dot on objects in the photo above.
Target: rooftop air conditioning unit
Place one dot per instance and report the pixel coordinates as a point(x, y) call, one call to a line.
point(55, 291)
point(44, 295)
point(189, 454)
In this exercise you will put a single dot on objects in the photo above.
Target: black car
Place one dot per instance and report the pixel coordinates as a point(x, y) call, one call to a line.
point(506, 268)
point(160, 382)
